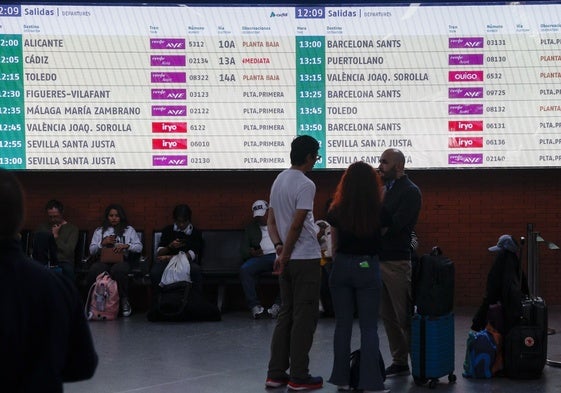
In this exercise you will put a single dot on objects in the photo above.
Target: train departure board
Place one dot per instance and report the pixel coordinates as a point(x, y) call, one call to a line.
point(206, 87)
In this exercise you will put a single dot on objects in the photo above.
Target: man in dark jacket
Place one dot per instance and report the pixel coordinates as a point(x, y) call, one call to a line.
point(258, 253)
point(400, 210)
point(44, 335)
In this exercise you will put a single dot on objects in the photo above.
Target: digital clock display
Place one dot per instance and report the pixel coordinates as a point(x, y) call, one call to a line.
point(10, 10)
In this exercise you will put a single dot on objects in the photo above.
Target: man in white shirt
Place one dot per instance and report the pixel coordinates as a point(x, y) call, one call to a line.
point(293, 232)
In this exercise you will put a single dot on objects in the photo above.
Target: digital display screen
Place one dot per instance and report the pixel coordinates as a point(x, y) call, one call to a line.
point(179, 87)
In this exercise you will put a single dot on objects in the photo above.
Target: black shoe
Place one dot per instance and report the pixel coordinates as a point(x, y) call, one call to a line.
point(396, 370)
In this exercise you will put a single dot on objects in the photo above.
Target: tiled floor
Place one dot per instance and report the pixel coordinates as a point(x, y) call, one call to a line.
point(231, 357)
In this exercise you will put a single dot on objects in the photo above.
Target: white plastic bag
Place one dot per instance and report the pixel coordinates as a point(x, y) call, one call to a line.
point(178, 269)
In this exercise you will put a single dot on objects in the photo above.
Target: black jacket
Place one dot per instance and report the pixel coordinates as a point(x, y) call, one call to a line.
point(400, 211)
point(44, 335)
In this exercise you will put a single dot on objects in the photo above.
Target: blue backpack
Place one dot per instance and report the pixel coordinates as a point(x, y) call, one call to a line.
point(481, 352)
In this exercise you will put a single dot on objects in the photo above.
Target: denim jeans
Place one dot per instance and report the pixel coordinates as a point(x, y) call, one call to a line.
point(250, 271)
point(355, 280)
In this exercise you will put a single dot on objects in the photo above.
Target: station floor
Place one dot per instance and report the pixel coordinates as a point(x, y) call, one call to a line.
point(231, 357)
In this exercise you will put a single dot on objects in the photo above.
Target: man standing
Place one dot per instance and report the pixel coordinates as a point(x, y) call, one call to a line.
point(44, 335)
point(65, 236)
point(259, 254)
point(400, 210)
point(292, 230)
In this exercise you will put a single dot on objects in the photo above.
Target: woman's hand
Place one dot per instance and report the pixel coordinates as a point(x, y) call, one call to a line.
point(108, 241)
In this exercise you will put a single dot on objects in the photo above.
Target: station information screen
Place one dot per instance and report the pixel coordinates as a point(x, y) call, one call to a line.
point(179, 87)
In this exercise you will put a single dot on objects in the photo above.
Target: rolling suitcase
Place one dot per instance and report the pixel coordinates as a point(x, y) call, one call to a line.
point(525, 347)
point(432, 349)
point(432, 327)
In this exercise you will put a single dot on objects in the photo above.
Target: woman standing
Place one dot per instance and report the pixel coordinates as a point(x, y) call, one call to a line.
point(115, 233)
point(355, 219)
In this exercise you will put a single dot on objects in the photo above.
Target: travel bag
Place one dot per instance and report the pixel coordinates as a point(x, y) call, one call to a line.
point(525, 346)
point(432, 349)
point(433, 284)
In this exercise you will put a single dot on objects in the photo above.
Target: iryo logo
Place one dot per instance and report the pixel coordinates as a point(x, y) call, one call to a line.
point(169, 127)
point(465, 125)
point(169, 144)
point(465, 142)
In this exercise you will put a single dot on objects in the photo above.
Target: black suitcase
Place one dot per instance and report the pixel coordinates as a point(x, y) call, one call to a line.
point(433, 284)
point(525, 346)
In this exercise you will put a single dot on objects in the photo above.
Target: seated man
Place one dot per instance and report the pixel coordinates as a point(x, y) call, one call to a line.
point(55, 241)
point(179, 236)
point(259, 255)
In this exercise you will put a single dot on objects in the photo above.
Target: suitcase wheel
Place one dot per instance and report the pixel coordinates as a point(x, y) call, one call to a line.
point(420, 381)
point(451, 378)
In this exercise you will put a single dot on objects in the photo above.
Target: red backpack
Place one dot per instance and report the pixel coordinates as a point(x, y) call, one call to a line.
point(103, 299)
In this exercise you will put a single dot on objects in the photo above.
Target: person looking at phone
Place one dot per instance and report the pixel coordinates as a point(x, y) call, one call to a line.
point(116, 233)
point(259, 254)
point(61, 238)
point(176, 237)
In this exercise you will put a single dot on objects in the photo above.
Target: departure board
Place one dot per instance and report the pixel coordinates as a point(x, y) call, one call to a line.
point(179, 87)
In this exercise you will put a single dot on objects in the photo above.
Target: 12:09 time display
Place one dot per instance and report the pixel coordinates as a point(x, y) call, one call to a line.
point(10, 10)
point(310, 12)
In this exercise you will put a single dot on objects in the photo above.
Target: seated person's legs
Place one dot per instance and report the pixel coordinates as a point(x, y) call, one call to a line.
point(249, 272)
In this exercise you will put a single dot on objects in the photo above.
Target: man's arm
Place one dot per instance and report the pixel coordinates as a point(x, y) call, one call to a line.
point(293, 234)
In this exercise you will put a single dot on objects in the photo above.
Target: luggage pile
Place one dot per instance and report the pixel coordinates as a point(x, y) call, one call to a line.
point(432, 328)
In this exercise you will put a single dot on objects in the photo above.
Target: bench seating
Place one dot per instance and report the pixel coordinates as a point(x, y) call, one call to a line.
point(220, 260)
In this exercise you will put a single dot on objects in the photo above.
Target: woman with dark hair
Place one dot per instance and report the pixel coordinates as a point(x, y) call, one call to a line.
point(176, 237)
point(116, 233)
point(355, 279)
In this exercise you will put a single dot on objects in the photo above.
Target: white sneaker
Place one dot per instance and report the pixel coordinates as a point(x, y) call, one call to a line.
point(126, 308)
point(258, 312)
point(274, 311)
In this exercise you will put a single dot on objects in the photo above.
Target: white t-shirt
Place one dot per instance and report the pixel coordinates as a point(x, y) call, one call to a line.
point(266, 242)
point(292, 190)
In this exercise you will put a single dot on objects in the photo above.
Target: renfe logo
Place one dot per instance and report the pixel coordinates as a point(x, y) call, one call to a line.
point(165, 160)
point(465, 142)
point(462, 159)
point(169, 144)
point(465, 92)
point(465, 76)
point(169, 94)
point(465, 42)
point(167, 43)
point(167, 60)
point(465, 125)
point(465, 109)
point(169, 110)
point(168, 77)
point(169, 126)
point(465, 59)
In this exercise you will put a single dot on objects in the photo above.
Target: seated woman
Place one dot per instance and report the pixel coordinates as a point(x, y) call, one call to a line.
point(115, 233)
point(506, 284)
point(179, 236)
